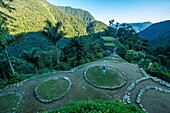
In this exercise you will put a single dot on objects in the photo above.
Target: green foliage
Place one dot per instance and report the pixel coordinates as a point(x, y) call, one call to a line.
point(136, 50)
point(17, 78)
point(81, 50)
point(110, 31)
point(8, 103)
point(97, 107)
point(3, 33)
point(95, 27)
point(35, 12)
point(63, 66)
point(84, 15)
point(5, 7)
point(3, 83)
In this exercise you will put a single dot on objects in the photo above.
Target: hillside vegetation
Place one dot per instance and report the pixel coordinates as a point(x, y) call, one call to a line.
point(157, 34)
point(31, 14)
point(95, 27)
point(97, 107)
point(82, 14)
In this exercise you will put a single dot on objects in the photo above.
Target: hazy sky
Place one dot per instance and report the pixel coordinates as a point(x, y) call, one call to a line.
point(122, 10)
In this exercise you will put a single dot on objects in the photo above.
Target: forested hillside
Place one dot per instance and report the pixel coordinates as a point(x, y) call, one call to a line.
point(82, 14)
point(157, 34)
point(31, 14)
point(95, 27)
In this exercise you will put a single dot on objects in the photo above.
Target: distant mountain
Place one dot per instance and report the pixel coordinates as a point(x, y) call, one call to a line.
point(31, 14)
point(140, 26)
point(158, 33)
point(82, 14)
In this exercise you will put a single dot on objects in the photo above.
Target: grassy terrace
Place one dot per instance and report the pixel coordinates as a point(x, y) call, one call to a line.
point(109, 44)
point(108, 39)
point(52, 89)
point(112, 78)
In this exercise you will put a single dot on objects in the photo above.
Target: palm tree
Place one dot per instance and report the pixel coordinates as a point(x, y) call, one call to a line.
point(54, 33)
point(76, 51)
point(33, 57)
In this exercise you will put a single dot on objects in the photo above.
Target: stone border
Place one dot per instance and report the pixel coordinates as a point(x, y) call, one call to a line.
point(105, 87)
point(54, 98)
point(126, 97)
point(143, 90)
point(70, 71)
point(14, 110)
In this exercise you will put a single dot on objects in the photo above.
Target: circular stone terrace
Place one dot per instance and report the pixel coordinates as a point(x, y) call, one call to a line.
point(114, 78)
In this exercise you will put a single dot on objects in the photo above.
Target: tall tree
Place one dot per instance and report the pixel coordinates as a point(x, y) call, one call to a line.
point(33, 57)
point(54, 33)
point(4, 33)
point(76, 51)
point(4, 37)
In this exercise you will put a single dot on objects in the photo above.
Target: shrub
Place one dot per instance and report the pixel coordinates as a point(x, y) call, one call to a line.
point(3, 83)
point(99, 55)
point(10, 102)
point(97, 107)
point(18, 78)
point(63, 66)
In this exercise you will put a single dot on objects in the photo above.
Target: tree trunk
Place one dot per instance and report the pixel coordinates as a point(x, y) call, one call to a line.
point(57, 56)
point(4, 75)
point(9, 61)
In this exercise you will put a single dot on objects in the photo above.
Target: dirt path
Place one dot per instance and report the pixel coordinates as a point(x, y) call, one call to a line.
point(81, 90)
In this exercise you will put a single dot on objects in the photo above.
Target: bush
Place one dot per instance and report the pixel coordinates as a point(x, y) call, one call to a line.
point(23, 67)
point(97, 107)
point(161, 74)
point(3, 83)
point(63, 66)
point(99, 55)
point(18, 78)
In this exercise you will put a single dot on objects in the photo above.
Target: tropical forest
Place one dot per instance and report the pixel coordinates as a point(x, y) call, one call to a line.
point(60, 59)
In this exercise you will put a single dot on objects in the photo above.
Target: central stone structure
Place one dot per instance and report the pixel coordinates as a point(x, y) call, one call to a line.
point(113, 79)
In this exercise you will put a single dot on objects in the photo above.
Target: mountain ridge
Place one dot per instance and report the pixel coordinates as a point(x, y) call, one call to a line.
point(140, 26)
point(80, 13)
point(158, 33)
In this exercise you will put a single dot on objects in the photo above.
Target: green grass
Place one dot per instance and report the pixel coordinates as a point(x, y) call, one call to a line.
point(97, 107)
point(112, 77)
point(52, 89)
point(109, 44)
point(8, 102)
point(110, 58)
point(108, 39)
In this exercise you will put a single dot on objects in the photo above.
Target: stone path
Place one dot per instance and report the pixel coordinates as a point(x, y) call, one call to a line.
point(134, 91)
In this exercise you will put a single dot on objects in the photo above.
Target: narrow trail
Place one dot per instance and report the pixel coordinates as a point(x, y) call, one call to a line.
point(81, 90)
